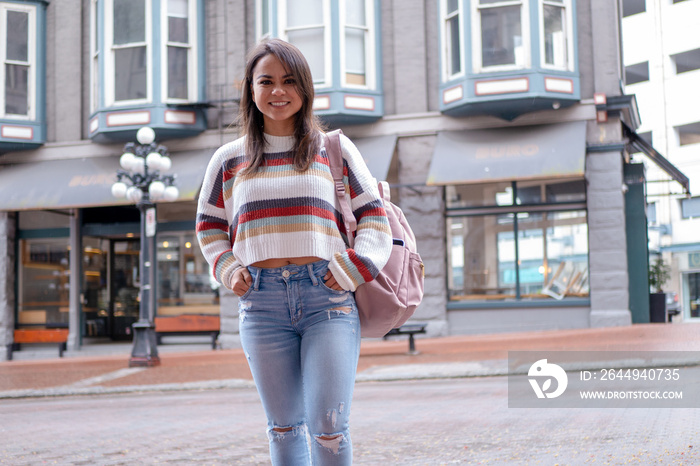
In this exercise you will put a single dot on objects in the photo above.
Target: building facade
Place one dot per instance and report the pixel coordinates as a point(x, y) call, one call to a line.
point(501, 126)
point(662, 68)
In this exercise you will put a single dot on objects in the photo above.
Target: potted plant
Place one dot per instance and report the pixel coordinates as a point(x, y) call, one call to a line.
point(659, 273)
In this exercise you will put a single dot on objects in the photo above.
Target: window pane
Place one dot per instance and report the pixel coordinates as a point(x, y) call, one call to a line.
point(17, 89)
point(130, 73)
point(17, 36)
point(129, 21)
point(555, 36)
point(690, 208)
point(178, 30)
point(454, 61)
point(355, 55)
point(310, 42)
point(265, 12)
point(304, 12)
point(355, 12)
point(452, 6)
point(637, 73)
point(689, 134)
point(633, 7)
point(184, 282)
point(687, 61)
point(45, 283)
point(565, 272)
point(501, 36)
point(177, 73)
point(177, 8)
point(478, 195)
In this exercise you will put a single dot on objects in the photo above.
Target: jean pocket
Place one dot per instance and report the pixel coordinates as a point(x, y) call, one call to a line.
point(323, 285)
point(247, 293)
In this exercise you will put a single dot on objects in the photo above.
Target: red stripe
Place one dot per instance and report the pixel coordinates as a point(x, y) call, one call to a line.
point(204, 226)
point(286, 212)
point(364, 271)
point(376, 212)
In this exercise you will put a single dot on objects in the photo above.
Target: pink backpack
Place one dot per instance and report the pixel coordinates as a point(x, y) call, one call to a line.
point(393, 296)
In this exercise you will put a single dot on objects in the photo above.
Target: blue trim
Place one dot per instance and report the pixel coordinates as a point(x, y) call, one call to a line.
point(38, 123)
point(201, 55)
point(509, 105)
point(686, 247)
point(43, 233)
point(524, 304)
point(156, 43)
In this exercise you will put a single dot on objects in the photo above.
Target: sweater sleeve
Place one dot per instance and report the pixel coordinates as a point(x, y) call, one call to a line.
point(213, 222)
point(372, 244)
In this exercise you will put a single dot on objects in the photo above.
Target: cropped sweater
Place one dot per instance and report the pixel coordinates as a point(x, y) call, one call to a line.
point(279, 212)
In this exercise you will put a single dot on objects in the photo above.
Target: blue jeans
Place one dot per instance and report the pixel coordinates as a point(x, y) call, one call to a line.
point(302, 342)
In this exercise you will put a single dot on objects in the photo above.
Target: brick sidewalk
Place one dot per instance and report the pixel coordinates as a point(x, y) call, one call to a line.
point(208, 367)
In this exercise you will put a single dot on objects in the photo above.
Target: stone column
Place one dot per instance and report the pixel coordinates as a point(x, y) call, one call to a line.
point(606, 230)
point(424, 209)
point(7, 280)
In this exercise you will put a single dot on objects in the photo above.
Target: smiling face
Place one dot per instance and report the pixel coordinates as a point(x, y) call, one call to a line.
point(274, 91)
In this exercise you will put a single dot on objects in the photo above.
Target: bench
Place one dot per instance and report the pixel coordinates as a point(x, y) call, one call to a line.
point(410, 330)
point(188, 324)
point(39, 335)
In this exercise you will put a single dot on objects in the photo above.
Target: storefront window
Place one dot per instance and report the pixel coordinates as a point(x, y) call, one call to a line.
point(44, 283)
point(499, 255)
point(185, 285)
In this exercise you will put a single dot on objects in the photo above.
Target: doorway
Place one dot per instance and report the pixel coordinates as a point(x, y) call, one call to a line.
point(110, 286)
point(693, 295)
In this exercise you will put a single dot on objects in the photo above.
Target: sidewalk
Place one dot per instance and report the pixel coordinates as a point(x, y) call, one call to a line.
point(454, 356)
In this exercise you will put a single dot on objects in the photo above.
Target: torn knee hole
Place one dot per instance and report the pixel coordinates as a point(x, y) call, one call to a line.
point(282, 429)
point(331, 441)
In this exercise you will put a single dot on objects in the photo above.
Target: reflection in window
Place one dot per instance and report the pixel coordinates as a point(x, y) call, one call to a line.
point(637, 73)
point(687, 61)
point(178, 48)
point(17, 63)
point(44, 283)
point(130, 51)
point(526, 193)
point(305, 29)
point(555, 34)
point(356, 32)
point(548, 260)
point(500, 24)
point(452, 38)
point(689, 134)
point(185, 284)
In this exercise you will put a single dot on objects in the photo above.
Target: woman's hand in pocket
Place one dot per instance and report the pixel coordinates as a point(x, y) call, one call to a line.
point(330, 282)
point(241, 281)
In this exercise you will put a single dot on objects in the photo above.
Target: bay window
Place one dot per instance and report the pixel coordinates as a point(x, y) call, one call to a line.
point(18, 56)
point(340, 41)
point(146, 68)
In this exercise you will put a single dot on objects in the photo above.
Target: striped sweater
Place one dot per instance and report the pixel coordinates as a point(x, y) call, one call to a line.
point(278, 212)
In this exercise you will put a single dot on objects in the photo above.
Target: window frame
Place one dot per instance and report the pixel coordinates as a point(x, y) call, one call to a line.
point(192, 56)
point(31, 63)
point(370, 46)
point(327, 38)
point(447, 75)
point(477, 56)
point(110, 56)
point(568, 34)
point(94, 56)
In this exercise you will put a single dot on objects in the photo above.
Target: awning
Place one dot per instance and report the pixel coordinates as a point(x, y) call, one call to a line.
point(640, 145)
point(87, 182)
point(377, 152)
point(505, 154)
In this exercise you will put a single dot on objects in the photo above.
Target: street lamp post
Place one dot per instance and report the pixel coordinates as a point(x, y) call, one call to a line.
point(142, 165)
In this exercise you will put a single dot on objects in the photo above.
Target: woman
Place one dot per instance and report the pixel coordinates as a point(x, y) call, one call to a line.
point(269, 225)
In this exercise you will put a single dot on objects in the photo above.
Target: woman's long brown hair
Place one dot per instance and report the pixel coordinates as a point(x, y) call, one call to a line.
point(307, 129)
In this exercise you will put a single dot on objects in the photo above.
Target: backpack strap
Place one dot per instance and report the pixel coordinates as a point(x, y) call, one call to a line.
point(335, 159)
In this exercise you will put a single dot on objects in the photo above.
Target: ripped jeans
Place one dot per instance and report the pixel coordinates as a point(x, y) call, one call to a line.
point(302, 342)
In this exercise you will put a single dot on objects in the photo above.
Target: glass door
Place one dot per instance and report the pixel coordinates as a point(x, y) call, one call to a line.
point(125, 283)
point(694, 295)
